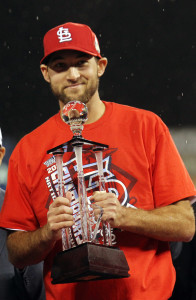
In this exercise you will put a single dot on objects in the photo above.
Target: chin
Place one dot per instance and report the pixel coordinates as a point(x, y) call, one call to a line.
point(75, 98)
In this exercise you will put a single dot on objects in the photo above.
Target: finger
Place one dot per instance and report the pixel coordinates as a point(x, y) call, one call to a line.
point(99, 195)
point(58, 210)
point(97, 210)
point(57, 221)
point(54, 227)
point(60, 201)
point(61, 218)
point(68, 195)
point(109, 202)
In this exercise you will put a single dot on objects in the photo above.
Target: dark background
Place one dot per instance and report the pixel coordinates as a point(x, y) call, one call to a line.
point(150, 45)
point(151, 48)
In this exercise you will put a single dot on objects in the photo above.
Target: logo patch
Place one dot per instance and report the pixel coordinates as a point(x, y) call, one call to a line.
point(64, 35)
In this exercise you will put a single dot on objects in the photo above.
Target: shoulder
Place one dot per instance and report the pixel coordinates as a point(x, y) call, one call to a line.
point(137, 117)
point(33, 141)
point(41, 131)
point(134, 111)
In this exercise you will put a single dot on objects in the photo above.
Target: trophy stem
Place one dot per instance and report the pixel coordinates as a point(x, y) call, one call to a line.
point(99, 158)
point(85, 217)
point(87, 256)
point(66, 243)
point(107, 237)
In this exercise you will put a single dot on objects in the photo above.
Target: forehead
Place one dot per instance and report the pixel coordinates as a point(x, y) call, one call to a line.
point(68, 54)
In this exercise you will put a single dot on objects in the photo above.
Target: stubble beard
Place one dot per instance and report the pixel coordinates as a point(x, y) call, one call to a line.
point(85, 97)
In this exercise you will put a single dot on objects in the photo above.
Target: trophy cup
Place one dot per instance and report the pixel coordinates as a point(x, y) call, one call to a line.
point(94, 257)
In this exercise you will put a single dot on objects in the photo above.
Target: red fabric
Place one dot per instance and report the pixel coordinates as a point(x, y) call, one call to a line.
point(71, 36)
point(142, 166)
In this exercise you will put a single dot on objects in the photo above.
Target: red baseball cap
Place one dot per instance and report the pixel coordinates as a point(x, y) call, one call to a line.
point(70, 36)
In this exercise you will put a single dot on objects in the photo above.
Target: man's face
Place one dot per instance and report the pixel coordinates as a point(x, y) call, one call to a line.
point(73, 75)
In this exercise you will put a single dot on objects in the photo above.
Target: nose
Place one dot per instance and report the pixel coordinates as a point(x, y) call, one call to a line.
point(73, 73)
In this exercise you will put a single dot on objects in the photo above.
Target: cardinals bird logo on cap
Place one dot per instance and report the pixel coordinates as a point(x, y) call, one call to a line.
point(64, 35)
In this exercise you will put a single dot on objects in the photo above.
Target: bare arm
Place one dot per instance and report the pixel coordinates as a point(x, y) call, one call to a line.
point(26, 248)
point(174, 222)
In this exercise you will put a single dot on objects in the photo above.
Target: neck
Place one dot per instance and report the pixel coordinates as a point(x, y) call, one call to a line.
point(96, 109)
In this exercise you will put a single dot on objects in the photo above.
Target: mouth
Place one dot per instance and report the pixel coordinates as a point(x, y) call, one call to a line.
point(74, 86)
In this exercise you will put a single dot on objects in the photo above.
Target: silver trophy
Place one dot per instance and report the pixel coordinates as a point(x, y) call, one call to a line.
point(94, 257)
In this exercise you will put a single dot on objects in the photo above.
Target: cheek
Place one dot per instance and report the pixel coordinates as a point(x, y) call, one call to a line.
point(56, 80)
point(92, 76)
point(90, 73)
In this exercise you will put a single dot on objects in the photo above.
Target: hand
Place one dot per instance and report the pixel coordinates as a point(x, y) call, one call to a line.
point(112, 209)
point(59, 216)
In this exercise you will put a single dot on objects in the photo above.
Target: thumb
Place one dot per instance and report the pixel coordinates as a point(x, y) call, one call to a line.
point(68, 195)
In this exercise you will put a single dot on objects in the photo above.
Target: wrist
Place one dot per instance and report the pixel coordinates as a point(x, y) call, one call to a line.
point(46, 236)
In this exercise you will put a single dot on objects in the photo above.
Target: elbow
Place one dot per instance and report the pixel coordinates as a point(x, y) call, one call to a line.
point(16, 260)
point(189, 230)
point(16, 263)
point(189, 235)
point(186, 218)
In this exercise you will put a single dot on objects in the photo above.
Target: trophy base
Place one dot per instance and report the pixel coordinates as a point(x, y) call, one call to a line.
point(88, 262)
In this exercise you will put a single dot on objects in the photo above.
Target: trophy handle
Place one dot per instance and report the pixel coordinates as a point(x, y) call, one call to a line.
point(97, 224)
point(107, 237)
point(66, 241)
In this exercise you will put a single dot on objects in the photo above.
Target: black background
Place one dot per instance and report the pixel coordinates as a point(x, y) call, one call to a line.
point(151, 49)
point(150, 45)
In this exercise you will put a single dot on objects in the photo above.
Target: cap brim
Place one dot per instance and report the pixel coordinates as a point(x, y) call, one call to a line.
point(45, 59)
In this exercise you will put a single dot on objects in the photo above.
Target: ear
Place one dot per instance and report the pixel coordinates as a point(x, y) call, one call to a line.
point(102, 64)
point(2, 153)
point(44, 70)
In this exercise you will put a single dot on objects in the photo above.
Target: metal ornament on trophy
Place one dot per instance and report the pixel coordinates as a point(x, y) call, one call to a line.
point(92, 259)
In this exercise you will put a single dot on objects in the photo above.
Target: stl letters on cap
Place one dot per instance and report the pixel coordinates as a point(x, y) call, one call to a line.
point(64, 35)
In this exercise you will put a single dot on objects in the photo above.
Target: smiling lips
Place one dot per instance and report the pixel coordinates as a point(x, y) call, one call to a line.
point(74, 85)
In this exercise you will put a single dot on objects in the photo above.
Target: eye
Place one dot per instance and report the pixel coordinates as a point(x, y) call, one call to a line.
point(59, 66)
point(81, 63)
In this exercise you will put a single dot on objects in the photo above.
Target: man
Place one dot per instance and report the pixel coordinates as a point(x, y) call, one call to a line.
point(142, 169)
point(17, 284)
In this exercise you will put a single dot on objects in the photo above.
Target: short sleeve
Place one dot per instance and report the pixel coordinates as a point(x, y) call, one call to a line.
point(171, 181)
point(16, 212)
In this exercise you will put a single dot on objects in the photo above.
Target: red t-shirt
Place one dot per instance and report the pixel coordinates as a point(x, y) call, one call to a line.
point(142, 167)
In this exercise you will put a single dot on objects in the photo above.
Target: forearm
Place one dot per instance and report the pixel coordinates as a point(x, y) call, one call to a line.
point(26, 248)
point(171, 223)
point(175, 222)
